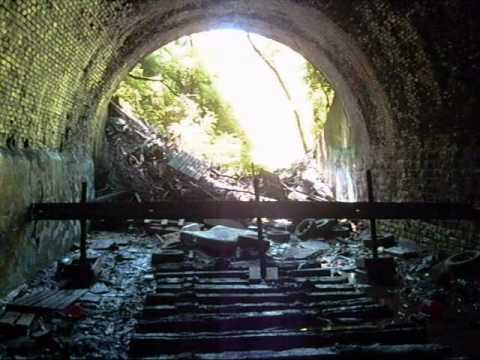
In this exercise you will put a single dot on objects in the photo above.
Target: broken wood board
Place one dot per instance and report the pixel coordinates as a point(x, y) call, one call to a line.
point(188, 165)
point(46, 301)
point(104, 244)
point(9, 318)
point(13, 323)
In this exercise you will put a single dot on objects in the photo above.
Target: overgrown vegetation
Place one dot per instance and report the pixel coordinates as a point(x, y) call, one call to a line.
point(321, 94)
point(172, 90)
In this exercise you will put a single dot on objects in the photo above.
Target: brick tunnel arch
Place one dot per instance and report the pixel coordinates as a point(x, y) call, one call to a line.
point(310, 33)
point(402, 71)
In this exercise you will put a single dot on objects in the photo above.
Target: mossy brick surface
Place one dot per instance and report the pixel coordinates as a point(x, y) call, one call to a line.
point(406, 72)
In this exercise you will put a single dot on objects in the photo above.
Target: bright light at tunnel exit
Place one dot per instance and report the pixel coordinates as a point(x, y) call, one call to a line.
point(255, 95)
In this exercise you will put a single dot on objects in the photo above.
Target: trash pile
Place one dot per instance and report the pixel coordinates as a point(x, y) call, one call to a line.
point(440, 288)
point(138, 159)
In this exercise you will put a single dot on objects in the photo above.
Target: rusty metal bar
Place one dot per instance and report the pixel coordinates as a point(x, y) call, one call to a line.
point(373, 223)
point(83, 227)
point(240, 209)
point(261, 251)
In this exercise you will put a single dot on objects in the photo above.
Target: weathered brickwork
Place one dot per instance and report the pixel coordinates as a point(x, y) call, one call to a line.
point(407, 73)
point(427, 57)
point(445, 236)
point(53, 57)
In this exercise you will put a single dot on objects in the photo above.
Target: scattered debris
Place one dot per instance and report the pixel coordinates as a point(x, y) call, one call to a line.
point(44, 321)
point(142, 162)
point(218, 241)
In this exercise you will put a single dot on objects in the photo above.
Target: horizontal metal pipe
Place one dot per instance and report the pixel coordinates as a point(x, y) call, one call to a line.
point(239, 210)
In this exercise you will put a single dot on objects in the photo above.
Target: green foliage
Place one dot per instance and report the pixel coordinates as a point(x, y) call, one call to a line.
point(321, 95)
point(183, 96)
point(180, 70)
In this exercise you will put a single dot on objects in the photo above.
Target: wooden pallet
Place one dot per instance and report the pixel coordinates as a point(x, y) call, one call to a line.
point(46, 301)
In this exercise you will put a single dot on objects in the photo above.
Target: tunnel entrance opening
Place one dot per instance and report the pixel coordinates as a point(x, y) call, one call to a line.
point(231, 99)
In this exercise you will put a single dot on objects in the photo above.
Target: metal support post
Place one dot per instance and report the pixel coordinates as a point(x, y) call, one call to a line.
point(373, 225)
point(83, 227)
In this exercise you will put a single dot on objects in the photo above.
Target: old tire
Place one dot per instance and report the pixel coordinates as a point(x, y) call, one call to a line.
point(464, 264)
point(310, 228)
point(306, 229)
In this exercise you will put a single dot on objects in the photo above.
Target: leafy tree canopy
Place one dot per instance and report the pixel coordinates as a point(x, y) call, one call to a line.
point(171, 90)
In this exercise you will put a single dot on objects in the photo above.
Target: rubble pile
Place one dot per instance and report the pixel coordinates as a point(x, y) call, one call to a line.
point(95, 325)
point(138, 159)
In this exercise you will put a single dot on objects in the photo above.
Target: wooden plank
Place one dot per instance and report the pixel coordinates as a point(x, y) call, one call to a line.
point(64, 299)
point(25, 320)
point(9, 318)
point(238, 274)
point(35, 297)
point(154, 311)
point(377, 351)
point(13, 323)
point(172, 298)
point(167, 343)
point(285, 319)
point(241, 209)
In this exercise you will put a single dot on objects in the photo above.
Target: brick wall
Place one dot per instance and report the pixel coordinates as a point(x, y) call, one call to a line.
point(53, 55)
point(407, 71)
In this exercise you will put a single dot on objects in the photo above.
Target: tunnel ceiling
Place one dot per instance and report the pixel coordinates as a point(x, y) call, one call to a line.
point(399, 68)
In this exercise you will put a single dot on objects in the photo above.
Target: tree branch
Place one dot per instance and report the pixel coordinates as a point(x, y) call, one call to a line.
point(155, 80)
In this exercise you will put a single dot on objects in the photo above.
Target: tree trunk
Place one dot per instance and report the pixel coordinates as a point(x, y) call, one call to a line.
point(285, 90)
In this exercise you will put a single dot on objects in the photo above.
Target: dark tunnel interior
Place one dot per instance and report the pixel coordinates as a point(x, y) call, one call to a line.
point(178, 267)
